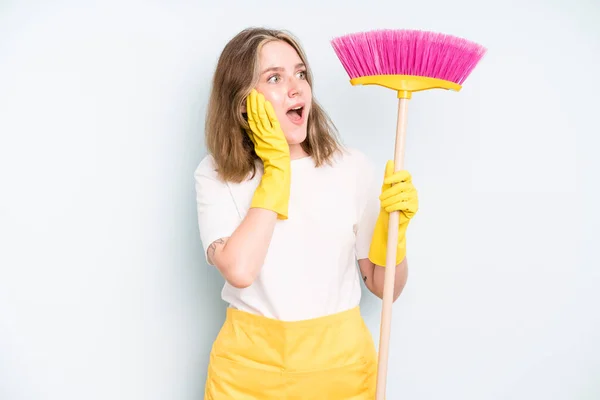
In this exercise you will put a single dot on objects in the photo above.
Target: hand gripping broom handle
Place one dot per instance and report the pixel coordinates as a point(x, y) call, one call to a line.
point(390, 264)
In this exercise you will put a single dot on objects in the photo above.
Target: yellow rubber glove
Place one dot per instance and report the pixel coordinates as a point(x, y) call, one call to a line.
point(270, 145)
point(397, 194)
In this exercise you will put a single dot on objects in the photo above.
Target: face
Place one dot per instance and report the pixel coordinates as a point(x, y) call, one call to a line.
point(283, 82)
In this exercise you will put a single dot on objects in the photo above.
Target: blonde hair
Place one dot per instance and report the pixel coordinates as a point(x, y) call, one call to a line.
point(235, 75)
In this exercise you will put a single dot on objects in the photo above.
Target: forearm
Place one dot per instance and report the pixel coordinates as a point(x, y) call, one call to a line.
point(240, 257)
point(374, 277)
point(399, 282)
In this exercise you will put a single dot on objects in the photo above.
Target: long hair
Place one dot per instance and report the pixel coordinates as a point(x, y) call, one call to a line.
point(236, 73)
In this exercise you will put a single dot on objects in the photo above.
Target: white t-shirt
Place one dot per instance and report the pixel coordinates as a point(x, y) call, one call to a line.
point(310, 269)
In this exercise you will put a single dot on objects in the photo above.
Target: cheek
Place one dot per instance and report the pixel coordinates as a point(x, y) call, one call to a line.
point(277, 99)
point(272, 95)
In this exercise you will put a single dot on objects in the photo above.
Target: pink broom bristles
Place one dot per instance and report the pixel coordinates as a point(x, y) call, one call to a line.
point(407, 52)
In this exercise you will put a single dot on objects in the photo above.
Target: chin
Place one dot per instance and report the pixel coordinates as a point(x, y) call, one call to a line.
point(296, 136)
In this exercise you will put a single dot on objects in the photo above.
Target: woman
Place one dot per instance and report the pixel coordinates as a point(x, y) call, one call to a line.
point(285, 213)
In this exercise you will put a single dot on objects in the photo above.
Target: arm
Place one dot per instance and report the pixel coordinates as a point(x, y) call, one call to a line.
point(240, 256)
point(373, 276)
point(397, 194)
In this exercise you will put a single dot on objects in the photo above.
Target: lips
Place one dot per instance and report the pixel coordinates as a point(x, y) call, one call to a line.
point(296, 113)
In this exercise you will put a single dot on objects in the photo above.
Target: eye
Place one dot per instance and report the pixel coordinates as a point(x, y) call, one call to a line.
point(302, 74)
point(272, 78)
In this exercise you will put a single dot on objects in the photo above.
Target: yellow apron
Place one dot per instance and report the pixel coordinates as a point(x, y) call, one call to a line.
point(327, 358)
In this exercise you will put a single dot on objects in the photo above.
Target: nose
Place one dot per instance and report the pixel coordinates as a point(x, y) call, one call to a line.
point(294, 89)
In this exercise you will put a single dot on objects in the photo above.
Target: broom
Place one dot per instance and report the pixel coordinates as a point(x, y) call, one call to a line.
point(406, 61)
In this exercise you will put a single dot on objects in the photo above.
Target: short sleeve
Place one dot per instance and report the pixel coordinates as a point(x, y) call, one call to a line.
point(218, 216)
point(369, 188)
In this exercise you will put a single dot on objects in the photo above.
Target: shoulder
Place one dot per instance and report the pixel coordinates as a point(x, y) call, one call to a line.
point(207, 172)
point(213, 195)
point(207, 181)
point(206, 169)
point(210, 186)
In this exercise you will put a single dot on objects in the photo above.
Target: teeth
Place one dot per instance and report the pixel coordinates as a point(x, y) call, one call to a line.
point(297, 108)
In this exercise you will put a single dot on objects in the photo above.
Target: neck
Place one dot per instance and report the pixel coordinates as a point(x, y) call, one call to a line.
point(296, 152)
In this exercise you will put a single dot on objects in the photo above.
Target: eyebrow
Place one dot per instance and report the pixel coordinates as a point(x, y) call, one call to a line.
point(300, 65)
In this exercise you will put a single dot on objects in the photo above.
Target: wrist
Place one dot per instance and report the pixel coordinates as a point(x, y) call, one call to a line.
point(378, 247)
point(273, 191)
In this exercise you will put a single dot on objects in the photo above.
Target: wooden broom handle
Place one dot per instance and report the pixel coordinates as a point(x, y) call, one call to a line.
point(390, 264)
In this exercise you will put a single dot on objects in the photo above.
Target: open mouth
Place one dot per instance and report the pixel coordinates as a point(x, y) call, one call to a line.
point(296, 113)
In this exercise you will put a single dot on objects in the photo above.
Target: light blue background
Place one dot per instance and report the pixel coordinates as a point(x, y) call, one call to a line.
point(104, 293)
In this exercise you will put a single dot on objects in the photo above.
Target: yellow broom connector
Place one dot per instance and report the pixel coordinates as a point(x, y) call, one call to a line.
point(406, 84)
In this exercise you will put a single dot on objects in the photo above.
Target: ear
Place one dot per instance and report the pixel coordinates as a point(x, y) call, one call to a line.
point(243, 107)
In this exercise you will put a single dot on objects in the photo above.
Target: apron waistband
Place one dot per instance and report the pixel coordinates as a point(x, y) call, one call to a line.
point(246, 318)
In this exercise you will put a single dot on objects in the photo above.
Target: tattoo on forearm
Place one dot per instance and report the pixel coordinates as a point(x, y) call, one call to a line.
point(213, 247)
point(365, 278)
